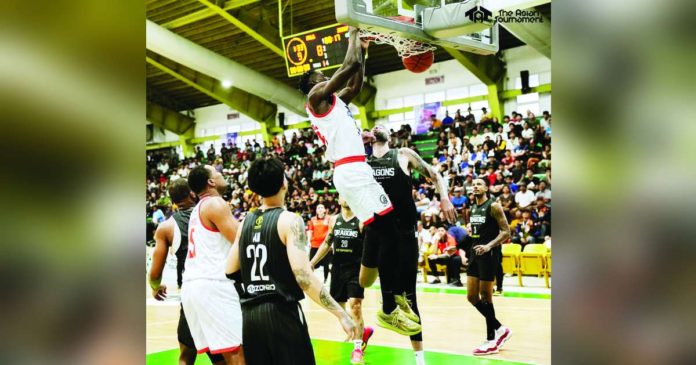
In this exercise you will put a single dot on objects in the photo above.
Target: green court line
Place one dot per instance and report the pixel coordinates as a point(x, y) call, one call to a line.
point(332, 353)
point(463, 292)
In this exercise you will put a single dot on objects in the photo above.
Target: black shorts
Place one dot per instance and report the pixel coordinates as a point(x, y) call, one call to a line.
point(275, 333)
point(344, 282)
point(383, 237)
point(483, 266)
point(183, 334)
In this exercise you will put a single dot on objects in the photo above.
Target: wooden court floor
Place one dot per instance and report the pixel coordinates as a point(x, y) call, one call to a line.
point(450, 325)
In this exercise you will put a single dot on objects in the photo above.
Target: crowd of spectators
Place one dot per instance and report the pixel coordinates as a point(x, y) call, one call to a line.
point(513, 156)
point(309, 174)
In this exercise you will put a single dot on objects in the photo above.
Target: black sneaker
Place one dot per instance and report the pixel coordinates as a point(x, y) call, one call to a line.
point(456, 284)
point(436, 281)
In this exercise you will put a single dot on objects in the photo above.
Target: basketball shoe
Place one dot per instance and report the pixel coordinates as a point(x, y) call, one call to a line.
point(397, 322)
point(486, 348)
point(405, 306)
point(367, 333)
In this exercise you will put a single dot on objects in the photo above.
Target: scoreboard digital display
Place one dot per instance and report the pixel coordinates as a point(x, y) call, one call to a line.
point(318, 49)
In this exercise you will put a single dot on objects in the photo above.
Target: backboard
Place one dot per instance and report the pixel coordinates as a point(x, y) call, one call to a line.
point(458, 24)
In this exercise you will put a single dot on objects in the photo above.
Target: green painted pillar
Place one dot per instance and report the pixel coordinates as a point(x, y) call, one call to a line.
point(366, 120)
point(494, 102)
point(186, 142)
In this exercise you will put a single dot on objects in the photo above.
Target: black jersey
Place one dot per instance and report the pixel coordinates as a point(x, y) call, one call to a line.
point(397, 185)
point(484, 227)
point(182, 218)
point(266, 272)
point(347, 241)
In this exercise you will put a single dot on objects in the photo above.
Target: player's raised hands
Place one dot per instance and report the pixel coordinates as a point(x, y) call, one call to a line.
point(448, 210)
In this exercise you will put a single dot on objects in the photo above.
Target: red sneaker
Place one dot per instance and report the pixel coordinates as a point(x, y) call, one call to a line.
point(367, 333)
point(502, 334)
point(487, 348)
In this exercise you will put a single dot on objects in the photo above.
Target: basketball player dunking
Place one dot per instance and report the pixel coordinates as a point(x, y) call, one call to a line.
point(335, 127)
point(171, 233)
point(346, 238)
point(392, 169)
point(210, 301)
point(269, 256)
point(489, 229)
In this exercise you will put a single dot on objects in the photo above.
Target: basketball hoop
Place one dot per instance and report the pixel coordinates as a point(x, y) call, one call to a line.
point(405, 47)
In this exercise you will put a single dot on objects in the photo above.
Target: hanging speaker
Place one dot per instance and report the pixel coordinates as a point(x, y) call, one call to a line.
point(281, 120)
point(524, 75)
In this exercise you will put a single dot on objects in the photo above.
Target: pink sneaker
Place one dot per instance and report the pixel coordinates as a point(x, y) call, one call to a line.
point(367, 333)
point(487, 348)
point(357, 357)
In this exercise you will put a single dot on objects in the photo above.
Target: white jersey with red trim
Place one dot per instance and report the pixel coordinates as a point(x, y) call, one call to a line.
point(338, 131)
point(207, 250)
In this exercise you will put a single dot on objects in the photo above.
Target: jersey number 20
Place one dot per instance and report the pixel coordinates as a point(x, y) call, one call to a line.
point(257, 252)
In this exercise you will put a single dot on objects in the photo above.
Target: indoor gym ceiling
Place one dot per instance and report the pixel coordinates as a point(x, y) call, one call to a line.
point(219, 35)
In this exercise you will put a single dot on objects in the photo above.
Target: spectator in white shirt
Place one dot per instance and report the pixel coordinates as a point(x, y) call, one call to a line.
point(163, 167)
point(544, 192)
point(454, 147)
point(524, 198)
point(528, 132)
point(476, 139)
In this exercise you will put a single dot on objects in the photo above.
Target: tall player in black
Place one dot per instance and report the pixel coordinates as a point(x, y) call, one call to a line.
point(392, 169)
point(269, 259)
point(489, 229)
point(172, 233)
point(345, 235)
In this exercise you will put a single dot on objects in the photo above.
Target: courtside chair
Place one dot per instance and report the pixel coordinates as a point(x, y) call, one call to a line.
point(532, 261)
point(425, 269)
point(548, 268)
point(511, 260)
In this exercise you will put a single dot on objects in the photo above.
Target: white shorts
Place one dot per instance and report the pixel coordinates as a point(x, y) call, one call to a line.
point(214, 315)
point(364, 195)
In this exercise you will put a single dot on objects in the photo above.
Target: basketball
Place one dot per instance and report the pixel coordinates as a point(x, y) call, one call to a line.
point(420, 62)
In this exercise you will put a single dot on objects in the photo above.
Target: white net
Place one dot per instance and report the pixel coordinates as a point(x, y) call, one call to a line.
point(404, 46)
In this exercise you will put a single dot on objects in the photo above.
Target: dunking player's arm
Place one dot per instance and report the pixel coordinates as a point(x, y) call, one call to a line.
point(163, 238)
point(352, 64)
point(417, 163)
point(292, 232)
point(503, 233)
point(325, 246)
point(355, 83)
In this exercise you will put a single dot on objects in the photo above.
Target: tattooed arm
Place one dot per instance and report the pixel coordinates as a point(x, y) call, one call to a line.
point(503, 230)
point(292, 232)
point(417, 163)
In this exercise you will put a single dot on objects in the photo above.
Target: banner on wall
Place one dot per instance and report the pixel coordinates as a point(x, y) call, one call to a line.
point(231, 139)
point(422, 114)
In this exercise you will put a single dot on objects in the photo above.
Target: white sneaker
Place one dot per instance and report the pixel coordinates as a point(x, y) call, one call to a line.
point(502, 334)
point(486, 348)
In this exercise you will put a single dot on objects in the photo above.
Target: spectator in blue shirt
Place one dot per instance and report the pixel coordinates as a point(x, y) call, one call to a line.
point(458, 200)
point(157, 215)
point(459, 234)
point(447, 121)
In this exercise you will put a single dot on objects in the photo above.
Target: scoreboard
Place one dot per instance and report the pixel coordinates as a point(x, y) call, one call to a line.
point(318, 49)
